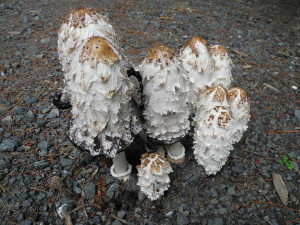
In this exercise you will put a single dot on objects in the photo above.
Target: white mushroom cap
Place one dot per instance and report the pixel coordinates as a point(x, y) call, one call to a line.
point(79, 25)
point(198, 62)
point(165, 96)
point(212, 140)
point(220, 119)
point(223, 64)
point(205, 65)
point(153, 175)
point(100, 93)
point(240, 111)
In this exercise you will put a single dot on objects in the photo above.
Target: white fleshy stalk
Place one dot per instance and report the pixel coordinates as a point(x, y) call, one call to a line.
point(205, 65)
point(217, 126)
point(165, 96)
point(120, 169)
point(79, 25)
point(100, 93)
point(176, 152)
point(153, 175)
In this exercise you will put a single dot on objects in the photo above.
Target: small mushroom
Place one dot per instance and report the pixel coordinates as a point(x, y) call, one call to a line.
point(175, 152)
point(153, 175)
point(165, 96)
point(103, 121)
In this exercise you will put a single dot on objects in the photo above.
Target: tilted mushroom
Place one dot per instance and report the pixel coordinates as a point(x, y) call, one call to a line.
point(79, 25)
point(100, 91)
point(217, 127)
point(205, 65)
point(153, 175)
point(165, 95)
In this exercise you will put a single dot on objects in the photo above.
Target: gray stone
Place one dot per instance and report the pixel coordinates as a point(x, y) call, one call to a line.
point(231, 191)
point(41, 196)
point(10, 145)
point(31, 100)
point(1, 130)
point(297, 113)
point(7, 120)
point(215, 221)
point(89, 190)
point(30, 115)
point(182, 219)
point(222, 211)
point(156, 24)
point(26, 203)
point(44, 145)
point(40, 164)
point(238, 167)
point(53, 114)
point(116, 222)
point(66, 162)
point(26, 222)
point(121, 214)
point(141, 196)
point(111, 190)
point(19, 110)
point(20, 217)
point(45, 41)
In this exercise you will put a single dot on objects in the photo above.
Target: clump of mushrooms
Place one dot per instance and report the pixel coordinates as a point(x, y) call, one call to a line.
point(221, 116)
point(153, 175)
point(165, 95)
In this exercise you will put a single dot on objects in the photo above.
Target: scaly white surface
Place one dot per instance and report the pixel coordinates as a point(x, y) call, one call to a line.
point(100, 93)
point(165, 98)
point(81, 24)
point(220, 119)
point(153, 175)
point(205, 65)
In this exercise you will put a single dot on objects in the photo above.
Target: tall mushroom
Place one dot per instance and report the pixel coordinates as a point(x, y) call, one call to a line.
point(79, 25)
point(100, 92)
point(165, 93)
point(153, 175)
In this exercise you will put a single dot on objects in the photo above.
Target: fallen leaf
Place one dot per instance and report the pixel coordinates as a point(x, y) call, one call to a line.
point(280, 188)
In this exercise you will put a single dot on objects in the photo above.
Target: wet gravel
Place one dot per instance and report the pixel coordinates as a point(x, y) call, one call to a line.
point(43, 176)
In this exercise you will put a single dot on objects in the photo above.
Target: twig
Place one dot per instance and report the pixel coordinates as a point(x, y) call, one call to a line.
point(258, 154)
point(295, 220)
point(84, 206)
point(68, 219)
point(3, 188)
point(282, 131)
point(118, 218)
point(37, 189)
point(274, 204)
point(271, 87)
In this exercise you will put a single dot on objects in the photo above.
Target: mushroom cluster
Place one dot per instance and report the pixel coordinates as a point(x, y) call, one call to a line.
point(175, 90)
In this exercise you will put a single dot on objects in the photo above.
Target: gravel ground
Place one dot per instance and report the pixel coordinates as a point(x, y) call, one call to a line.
point(40, 170)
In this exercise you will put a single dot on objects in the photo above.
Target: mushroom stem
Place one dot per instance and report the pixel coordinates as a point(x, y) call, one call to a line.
point(121, 169)
point(120, 163)
point(176, 152)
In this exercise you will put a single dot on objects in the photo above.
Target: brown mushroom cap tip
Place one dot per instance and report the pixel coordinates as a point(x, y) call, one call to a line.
point(218, 50)
point(160, 51)
point(193, 41)
point(97, 48)
point(234, 92)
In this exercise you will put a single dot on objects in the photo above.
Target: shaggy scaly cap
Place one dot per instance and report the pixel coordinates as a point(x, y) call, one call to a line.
point(153, 175)
point(165, 96)
point(100, 93)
